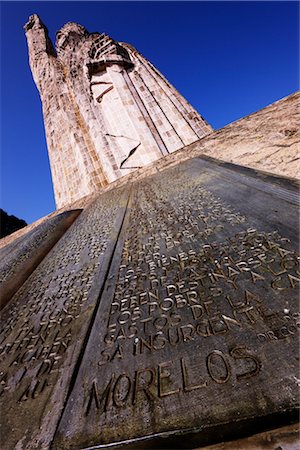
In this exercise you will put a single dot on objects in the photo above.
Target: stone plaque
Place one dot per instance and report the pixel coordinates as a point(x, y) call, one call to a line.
point(45, 325)
point(196, 336)
point(21, 257)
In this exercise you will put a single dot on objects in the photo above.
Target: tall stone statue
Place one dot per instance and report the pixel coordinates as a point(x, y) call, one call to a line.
point(163, 312)
point(107, 110)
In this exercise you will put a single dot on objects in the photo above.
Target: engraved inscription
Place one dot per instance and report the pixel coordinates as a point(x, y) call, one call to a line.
point(44, 326)
point(183, 277)
point(169, 378)
point(200, 306)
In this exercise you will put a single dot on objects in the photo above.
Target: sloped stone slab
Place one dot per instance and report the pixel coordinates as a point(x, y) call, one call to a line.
point(45, 325)
point(195, 339)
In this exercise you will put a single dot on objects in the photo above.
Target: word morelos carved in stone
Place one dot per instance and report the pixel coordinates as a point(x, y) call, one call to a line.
point(46, 322)
point(195, 304)
point(200, 307)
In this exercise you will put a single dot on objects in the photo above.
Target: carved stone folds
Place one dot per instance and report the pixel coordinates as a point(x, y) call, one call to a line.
point(81, 112)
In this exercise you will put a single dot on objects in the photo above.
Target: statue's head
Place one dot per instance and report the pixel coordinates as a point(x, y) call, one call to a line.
point(69, 35)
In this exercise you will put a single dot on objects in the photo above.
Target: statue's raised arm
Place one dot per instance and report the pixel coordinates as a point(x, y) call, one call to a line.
point(42, 55)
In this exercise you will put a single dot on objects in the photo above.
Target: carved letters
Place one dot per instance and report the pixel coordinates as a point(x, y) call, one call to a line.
point(169, 378)
point(198, 304)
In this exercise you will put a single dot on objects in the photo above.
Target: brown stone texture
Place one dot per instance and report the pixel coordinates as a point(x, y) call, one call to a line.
point(188, 341)
point(166, 315)
point(44, 326)
point(107, 110)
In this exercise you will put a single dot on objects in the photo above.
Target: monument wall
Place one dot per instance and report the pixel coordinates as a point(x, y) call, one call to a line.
point(107, 110)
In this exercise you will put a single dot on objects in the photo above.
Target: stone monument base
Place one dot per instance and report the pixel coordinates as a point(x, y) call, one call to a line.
point(166, 316)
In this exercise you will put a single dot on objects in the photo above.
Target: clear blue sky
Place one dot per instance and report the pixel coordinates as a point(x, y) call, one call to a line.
point(228, 59)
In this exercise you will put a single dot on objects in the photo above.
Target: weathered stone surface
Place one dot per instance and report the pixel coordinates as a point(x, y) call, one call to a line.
point(195, 337)
point(45, 325)
point(82, 203)
point(21, 257)
point(267, 140)
point(107, 110)
point(167, 315)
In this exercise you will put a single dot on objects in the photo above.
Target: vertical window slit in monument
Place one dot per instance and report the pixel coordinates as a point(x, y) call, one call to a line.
point(93, 317)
